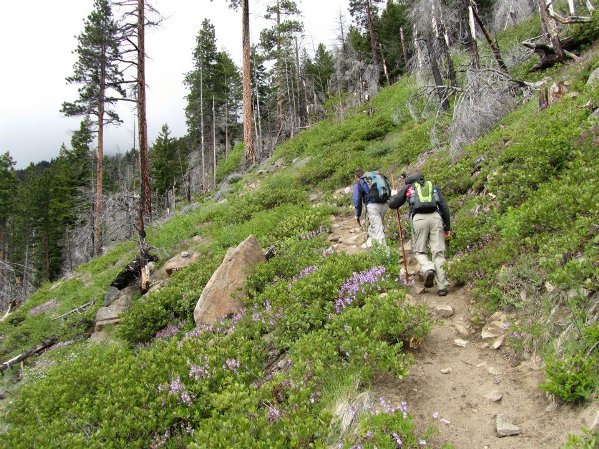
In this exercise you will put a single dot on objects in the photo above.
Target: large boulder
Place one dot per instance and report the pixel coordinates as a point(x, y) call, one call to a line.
point(221, 295)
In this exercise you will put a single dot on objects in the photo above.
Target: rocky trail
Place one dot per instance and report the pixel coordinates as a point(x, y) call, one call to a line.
point(465, 386)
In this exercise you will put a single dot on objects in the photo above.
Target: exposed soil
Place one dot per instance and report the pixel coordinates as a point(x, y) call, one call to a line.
point(456, 403)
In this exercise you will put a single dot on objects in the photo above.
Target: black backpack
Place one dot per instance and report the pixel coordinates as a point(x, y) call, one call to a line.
point(378, 187)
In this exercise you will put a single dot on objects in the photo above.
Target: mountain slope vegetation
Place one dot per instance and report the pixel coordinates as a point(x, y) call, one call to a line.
point(319, 326)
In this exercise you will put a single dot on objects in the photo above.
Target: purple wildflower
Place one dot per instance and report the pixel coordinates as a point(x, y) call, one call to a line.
point(232, 365)
point(357, 284)
point(177, 389)
point(168, 331)
point(302, 274)
point(397, 439)
point(273, 414)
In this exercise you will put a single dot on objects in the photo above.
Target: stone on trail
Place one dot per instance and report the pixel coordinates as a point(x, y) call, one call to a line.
point(494, 396)
point(444, 311)
point(459, 342)
point(111, 314)
point(505, 428)
point(445, 370)
point(462, 330)
point(221, 294)
point(497, 343)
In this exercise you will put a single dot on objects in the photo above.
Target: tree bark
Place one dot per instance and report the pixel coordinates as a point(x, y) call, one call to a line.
point(213, 143)
point(99, 174)
point(248, 135)
point(471, 30)
point(551, 30)
point(439, 87)
point(146, 197)
point(373, 39)
point(493, 44)
point(403, 48)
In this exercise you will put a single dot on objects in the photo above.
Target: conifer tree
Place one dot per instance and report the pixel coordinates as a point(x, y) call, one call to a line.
point(97, 71)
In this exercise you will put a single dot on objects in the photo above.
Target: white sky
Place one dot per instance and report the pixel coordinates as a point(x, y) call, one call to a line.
point(37, 39)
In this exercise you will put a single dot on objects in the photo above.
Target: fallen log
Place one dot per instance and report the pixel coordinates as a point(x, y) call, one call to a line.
point(43, 345)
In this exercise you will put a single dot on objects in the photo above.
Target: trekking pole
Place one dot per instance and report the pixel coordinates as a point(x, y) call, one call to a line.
point(403, 250)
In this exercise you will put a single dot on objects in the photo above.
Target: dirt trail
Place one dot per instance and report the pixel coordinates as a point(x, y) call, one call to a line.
point(464, 402)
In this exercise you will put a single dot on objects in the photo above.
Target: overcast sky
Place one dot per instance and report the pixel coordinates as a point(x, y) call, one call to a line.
point(37, 39)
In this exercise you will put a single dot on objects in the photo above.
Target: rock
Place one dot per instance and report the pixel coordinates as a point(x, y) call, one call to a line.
point(505, 428)
point(444, 311)
point(493, 371)
point(497, 343)
point(221, 295)
point(594, 423)
point(593, 77)
point(180, 261)
point(111, 314)
point(459, 342)
point(357, 240)
point(549, 287)
point(110, 295)
point(462, 330)
point(333, 238)
point(494, 396)
point(445, 370)
point(314, 197)
point(494, 327)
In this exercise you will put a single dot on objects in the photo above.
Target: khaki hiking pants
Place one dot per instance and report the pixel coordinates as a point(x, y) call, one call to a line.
point(428, 232)
point(376, 215)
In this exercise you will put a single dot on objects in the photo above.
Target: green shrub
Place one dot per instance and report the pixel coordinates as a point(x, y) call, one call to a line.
point(232, 164)
point(572, 378)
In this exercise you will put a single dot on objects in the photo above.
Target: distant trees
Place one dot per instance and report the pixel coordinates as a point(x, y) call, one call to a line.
point(214, 79)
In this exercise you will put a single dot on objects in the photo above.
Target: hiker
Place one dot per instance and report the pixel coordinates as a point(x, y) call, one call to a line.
point(372, 189)
point(431, 225)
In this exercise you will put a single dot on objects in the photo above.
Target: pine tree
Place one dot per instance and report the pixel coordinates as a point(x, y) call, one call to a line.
point(365, 13)
point(97, 71)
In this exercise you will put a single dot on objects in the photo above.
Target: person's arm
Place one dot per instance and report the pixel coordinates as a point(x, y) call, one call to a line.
point(398, 200)
point(444, 211)
point(358, 200)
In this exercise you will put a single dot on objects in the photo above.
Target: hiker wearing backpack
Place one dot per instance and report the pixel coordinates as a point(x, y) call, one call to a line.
point(372, 189)
point(431, 225)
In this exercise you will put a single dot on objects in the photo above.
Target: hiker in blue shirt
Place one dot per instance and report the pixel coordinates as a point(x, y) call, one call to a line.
point(366, 192)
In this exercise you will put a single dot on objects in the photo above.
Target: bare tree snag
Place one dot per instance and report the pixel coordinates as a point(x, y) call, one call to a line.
point(551, 29)
point(471, 31)
point(439, 86)
point(141, 111)
point(403, 47)
point(492, 43)
point(43, 345)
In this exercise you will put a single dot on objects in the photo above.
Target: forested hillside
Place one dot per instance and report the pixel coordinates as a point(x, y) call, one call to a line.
point(497, 102)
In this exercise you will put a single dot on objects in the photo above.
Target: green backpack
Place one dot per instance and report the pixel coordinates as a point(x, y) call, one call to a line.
point(423, 198)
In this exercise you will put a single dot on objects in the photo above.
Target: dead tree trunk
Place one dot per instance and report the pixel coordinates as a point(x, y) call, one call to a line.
point(141, 110)
point(550, 28)
point(493, 44)
point(439, 86)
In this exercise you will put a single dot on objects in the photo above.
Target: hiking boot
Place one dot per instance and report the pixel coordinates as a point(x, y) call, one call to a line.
point(429, 278)
point(442, 292)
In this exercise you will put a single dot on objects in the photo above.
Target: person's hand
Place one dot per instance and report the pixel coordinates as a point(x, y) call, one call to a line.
point(358, 221)
point(447, 234)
